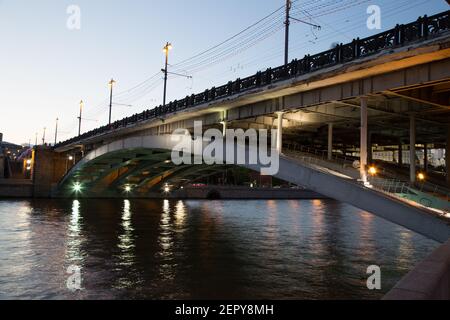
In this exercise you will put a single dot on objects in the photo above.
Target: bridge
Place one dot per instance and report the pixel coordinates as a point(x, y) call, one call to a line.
point(333, 112)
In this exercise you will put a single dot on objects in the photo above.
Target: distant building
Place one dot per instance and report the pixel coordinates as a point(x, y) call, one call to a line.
point(10, 150)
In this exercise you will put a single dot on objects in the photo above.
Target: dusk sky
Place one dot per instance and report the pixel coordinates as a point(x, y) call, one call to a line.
point(46, 68)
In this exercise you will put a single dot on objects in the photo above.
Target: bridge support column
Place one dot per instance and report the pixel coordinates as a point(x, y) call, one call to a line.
point(400, 154)
point(425, 157)
point(330, 141)
point(224, 128)
point(369, 148)
point(2, 166)
point(447, 156)
point(280, 132)
point(363, 145)
point(412, 148)
point(49, 167)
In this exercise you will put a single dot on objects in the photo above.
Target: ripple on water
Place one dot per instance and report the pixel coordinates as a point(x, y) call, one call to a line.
point(293, 249)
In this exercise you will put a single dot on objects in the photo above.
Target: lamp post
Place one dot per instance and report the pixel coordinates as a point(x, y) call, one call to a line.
point(286, 33)
point(79, 118)
point(56, 131)
point(43, 136)
point(166, 50)
point(111, 85)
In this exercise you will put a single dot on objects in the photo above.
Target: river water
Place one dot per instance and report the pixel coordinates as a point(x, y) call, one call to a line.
point(160, 249)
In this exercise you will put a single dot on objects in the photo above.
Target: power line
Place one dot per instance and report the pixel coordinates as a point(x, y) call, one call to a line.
point(230, 38)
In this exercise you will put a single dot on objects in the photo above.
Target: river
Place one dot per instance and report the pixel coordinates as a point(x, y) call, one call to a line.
point(161, 249)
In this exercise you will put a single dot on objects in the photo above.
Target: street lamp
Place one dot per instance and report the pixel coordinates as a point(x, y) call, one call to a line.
point(111, 85)
point(373, 171)
point(166, 50)
point(79, 118)
point(56, 131)
point(43, 136)
point(77, 187)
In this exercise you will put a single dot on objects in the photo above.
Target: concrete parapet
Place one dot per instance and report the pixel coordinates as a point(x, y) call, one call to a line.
point(430, 280)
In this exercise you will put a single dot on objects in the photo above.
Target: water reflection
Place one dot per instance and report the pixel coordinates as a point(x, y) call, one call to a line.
point(180, 214)
point(200, 249)
point(126, 241)
point(74, 237)
point(165, 240)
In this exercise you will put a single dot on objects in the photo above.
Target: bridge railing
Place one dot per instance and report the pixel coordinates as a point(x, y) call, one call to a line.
point(386, 180)
point(423, 28)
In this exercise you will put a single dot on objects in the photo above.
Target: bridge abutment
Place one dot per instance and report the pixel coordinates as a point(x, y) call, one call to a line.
point(49, 168)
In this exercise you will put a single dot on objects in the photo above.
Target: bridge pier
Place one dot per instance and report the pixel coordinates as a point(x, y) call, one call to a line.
point(447, 156)
point(2, 166)
point(412, 148)
point(369, 148)
point(224, 127)
point(330, 141)
point(363, 146)
point(48, 169)
point(280, 132)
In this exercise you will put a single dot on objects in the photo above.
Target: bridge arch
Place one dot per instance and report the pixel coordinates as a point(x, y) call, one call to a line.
point(156, 150)
point(141, 164)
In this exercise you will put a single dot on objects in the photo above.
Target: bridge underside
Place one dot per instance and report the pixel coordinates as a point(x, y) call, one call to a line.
point(139, 172)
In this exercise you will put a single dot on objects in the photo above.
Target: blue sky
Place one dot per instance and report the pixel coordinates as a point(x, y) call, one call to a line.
point(46, 69)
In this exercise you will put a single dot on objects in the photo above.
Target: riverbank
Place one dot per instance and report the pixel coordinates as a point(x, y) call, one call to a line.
point(11, 188)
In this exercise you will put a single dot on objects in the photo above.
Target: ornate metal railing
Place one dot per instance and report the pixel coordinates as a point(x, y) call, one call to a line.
point(423, 28)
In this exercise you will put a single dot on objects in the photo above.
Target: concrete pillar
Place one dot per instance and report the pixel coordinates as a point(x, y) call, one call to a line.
point(330, 141)
point(224, 126)
point(400, 154)
point(425, 157)
point(369, 148)
point(363, 145)
point(412, 148)
point(280, 132)
point(2, 166)
point(49, 168)
point(447, 156)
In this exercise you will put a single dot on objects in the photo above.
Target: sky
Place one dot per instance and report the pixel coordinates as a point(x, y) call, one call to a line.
point(47, 66)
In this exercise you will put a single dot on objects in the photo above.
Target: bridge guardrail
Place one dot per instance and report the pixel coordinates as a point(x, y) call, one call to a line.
point(387, 182)
point(423, 28)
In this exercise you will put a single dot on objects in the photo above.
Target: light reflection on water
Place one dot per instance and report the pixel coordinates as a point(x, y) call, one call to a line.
point(199, 249)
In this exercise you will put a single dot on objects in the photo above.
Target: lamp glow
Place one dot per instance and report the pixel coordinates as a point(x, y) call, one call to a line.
point(421, 176)
point(127, 189)
point(112, 83)
point(166, 188)
point(373, 171)
point(77, 187)
point(167, 48)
